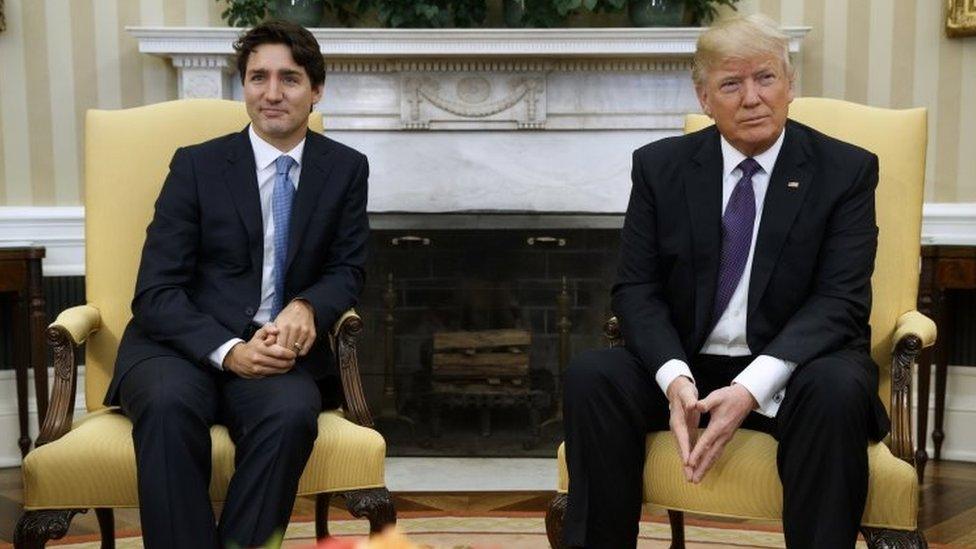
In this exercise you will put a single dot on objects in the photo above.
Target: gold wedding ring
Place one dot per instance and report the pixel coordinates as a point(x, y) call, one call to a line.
point(297, 346)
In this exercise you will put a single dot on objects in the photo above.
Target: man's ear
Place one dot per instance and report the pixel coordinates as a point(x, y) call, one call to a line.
point(703, 100)
point(317, 92)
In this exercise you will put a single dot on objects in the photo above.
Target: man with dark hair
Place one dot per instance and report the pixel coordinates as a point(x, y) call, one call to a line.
point(303, 46)
point(256, 247)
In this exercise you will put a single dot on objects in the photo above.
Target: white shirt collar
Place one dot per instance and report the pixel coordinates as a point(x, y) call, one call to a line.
point(265, 153)
point(731, 157)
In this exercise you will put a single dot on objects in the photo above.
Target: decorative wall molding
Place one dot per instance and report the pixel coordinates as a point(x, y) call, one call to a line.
point(59, 229)
point(949, 223)
point(62, 229)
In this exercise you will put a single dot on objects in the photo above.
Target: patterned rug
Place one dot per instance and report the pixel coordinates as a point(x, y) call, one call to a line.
point(512, 532)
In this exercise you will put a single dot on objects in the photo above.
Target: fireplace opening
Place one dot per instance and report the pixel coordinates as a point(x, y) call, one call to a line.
point(468, 331)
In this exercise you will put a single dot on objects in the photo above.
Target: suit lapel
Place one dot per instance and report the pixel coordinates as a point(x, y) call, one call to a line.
point(788, 185)
point(311, 183)
point(241, 181)
point(703, 190)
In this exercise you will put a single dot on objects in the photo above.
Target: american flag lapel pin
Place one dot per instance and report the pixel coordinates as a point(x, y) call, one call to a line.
point(793, 185)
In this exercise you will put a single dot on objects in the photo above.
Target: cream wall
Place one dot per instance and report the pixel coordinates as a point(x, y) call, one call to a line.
point(894, 53)
point(61, 57)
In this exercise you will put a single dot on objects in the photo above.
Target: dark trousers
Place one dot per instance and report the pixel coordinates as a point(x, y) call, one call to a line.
point(273, 422)
point(823, 427)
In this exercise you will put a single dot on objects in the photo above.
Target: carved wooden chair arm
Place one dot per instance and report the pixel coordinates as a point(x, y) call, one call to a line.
point(343, 337)
point(913, 332)
point(64, 335)
point(80, 322)
point(917, 324)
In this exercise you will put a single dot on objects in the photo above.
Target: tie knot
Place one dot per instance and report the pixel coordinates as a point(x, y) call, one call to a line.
point(749, 167)
point(283, 163)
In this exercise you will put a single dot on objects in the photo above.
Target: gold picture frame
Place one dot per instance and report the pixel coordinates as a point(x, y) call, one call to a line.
point(960, 18)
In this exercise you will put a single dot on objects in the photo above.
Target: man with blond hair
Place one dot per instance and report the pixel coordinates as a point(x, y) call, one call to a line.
point(743, 292)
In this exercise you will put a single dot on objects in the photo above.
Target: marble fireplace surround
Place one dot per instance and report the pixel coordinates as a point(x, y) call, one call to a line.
point(483, 127)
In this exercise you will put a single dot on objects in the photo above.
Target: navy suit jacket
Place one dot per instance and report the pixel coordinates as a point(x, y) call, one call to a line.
point(199, 282)
point(810, 289)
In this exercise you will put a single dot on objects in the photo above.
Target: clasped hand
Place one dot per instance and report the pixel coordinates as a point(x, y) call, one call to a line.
point(274, 348)
point(727, 407)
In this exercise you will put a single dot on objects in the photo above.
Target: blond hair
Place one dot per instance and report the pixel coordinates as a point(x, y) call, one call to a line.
point(740, 37)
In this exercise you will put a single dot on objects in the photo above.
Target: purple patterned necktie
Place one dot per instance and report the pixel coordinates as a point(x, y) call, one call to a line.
point(737, 224)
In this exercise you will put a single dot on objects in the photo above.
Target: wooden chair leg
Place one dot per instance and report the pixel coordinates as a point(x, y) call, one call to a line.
point(677, 520)
point(375, 504)
point(36, 528)
point(322, 515)
point(106, 525)
point(882, 538)
point(554, 521)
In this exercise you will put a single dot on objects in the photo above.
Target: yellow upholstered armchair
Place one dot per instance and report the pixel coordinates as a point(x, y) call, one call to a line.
point(744, 482)
point(89, 462)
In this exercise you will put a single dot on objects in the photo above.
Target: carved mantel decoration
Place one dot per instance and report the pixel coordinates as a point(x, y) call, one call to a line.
point(459, 98)
point(450, 119)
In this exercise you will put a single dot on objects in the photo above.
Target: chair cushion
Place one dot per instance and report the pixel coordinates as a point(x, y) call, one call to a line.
point(744, 482)
point(94, 464)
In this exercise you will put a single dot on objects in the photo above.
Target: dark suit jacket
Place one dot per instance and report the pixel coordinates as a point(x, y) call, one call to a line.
point(199, 281)
point(810, 290)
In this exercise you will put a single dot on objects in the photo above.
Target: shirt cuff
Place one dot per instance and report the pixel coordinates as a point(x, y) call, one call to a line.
point(217, 355)
point(671, 370)
point(765, 378)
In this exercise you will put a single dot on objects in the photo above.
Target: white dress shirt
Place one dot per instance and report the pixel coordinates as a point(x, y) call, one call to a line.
point(265, 155)
point(766, 376)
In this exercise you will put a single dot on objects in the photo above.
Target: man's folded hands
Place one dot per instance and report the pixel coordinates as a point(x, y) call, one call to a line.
point(727, 408)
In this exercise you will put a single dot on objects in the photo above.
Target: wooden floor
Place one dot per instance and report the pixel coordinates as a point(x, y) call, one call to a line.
point(948, 505)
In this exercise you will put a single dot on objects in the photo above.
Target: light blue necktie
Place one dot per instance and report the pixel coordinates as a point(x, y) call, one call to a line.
point(281, 200)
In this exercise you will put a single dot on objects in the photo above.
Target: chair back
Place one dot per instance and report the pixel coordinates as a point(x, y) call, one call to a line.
point(127, 155)
point(899, 139)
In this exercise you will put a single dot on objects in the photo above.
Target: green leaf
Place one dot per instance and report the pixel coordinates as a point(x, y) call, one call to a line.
point(565, 7)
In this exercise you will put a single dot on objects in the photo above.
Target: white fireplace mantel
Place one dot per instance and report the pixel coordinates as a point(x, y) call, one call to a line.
point(528, 120)
point(367, 43)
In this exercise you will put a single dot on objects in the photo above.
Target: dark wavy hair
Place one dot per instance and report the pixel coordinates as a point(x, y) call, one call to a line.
point(304, 47)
